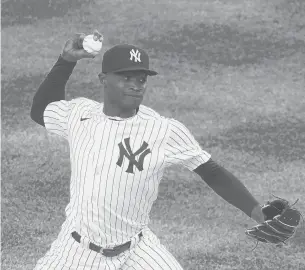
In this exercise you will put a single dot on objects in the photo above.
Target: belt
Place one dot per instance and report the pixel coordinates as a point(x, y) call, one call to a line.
point(108, 252)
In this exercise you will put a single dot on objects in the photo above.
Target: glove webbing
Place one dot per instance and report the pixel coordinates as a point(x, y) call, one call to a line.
point(283, 242)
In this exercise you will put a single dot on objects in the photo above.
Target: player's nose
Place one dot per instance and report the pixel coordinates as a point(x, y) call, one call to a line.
point(135, 86)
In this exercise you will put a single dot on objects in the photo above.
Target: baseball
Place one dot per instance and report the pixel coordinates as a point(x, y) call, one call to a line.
point(92, 46)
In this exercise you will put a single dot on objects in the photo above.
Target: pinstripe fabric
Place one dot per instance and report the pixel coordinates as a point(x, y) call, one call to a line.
point(150, 254)
point(182, 148)
point(116, 167)
point(147, 253)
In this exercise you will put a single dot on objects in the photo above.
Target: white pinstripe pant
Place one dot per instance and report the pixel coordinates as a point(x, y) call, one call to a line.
point(146, 254)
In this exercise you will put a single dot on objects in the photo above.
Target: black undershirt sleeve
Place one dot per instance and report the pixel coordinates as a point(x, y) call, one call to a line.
point(51, 89)
point(226, 185)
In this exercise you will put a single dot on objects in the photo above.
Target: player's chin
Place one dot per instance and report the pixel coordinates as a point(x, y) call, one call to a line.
point(132, 102)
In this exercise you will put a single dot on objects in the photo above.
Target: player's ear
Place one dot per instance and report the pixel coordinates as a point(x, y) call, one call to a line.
point(102, 77)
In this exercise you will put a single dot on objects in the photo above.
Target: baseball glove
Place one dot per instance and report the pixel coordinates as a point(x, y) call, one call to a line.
point(281, 222)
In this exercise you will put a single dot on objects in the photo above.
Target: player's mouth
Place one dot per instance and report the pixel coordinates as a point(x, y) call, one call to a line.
point(134, 95)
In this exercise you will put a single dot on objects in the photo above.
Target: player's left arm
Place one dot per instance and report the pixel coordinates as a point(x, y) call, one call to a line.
point(230, 188)
point(182, 148)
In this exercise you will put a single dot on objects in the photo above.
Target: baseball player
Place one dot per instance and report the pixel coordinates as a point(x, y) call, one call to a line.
point(119, 150)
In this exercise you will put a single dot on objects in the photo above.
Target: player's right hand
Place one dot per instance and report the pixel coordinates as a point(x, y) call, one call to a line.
point(73, 49)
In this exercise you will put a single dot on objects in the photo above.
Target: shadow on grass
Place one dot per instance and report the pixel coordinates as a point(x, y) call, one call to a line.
point(15, 12)
point(281, 137)
point(221, 44)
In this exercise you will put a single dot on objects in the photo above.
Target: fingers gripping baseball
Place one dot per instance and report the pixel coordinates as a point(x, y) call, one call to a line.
point(74, 50)
point(97, 36)
point(79, 40)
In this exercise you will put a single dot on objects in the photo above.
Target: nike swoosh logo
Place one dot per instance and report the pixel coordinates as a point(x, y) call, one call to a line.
point(82, 119)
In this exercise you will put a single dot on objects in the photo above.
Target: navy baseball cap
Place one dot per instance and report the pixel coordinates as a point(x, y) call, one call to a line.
point(126, 57)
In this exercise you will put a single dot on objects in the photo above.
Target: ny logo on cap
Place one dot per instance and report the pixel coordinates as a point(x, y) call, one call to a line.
point(135, 55)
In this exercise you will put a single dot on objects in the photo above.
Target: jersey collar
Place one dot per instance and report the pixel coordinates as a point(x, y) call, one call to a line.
point(99, 110)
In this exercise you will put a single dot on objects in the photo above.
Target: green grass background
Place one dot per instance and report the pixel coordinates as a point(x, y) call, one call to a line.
point(232, 71)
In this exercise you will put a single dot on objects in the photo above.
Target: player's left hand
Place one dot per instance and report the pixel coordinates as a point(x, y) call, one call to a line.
point(279, 224)
point(257, 214)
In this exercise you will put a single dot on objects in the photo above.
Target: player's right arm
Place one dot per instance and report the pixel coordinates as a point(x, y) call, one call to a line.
point(49, 107)
point(52, 89)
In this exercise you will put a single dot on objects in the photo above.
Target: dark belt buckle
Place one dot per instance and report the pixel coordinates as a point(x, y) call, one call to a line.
point(112, 252)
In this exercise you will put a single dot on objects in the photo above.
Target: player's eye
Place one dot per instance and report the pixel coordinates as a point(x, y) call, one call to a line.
point(142, 80)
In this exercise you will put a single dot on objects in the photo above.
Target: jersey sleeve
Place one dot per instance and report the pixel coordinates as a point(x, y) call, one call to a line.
point(182, 148)
point(56, 117)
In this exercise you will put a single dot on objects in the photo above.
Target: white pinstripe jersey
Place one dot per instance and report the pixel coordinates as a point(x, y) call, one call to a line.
point(117, 165)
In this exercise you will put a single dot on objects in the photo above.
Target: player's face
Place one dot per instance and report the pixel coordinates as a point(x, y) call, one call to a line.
point(126, 89)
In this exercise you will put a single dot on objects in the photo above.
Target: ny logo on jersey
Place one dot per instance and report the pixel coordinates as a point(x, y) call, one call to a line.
point(136, 55)
point(127, 152)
